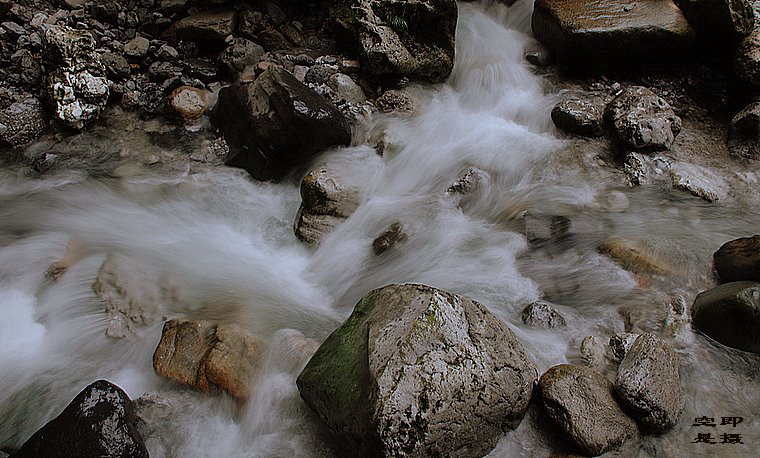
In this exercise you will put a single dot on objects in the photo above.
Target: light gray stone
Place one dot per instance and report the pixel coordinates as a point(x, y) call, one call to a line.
point(542, 314)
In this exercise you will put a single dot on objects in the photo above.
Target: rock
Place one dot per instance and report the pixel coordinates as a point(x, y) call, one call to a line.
point(13, 28)
point(396, 39)
point(117, 67)
point(240, 54)
point(202, 69)
point(208, 25)
point(276, 123)
point(739, 260)
point(327, 201)
point(171, 6)
point(593, 352)
point(648, 384)
point(698, 181)
point(137, 47)
point(320, 73)
point(541, 314)
point(579, 400)
point(723, 20)
point(633, 257)
point(599, 34)
point(747, 60)
point(167, 53)
point(730, 314)
point(100, 421)
point(643, 121)
point(578, 117)
point(29, 69)
point(745, 132)
point(78, 85)
point(207, 356)
point(188, 102)
point(22, 122)
point(421, 372)
point(312, 227)
point(389, 238)
point(621, 343)
point(469, 182)
point(346, 88)
point(395, 101)
point(538, 54)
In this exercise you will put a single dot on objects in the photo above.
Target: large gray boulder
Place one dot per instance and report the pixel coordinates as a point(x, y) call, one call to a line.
point(417, 371)
point(100, 421)
point(612, 33)
point(648, 383)
point(719, 19)
point(396, 38)
point(641, 120)
point(276, 123)
point(730, 314)
point(739, 260)
point(579, 400)
point(327, 200)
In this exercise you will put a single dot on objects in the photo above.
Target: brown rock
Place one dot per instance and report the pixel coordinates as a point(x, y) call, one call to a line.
point(393, 235)
point(633, 258)
point(208, 25)
point(739, 260)
point(189, 102)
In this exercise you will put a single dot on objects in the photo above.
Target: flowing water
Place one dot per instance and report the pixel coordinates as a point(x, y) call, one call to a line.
point(227, 244)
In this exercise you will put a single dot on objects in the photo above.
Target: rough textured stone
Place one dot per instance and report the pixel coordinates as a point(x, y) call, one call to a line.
point(116, 65)
point(240, 54)
point(730, 314)
point(22, 122)
point(612, 33)
point(649, 384)
point(276, 123)
point(395, 101)
point(725, 20)
point(188, 102)
point(137, 47)
point(745, 132)
point(207, 25)
point(739, 260)
point(346, 88)
point(747, 61)
point(541, 314)
point(392, 236)
point(413, 38)
point(621, 343)
point(643, 121)
point(580, 402)
point(100, 421)
point(578, 117)
point(416, 371)
point(206, 356)
point(699, 181)
point(327, 201)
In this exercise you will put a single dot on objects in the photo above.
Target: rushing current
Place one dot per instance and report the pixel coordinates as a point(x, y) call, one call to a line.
point(227, 244)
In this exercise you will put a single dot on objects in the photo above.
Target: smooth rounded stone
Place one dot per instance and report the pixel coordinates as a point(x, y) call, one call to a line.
point(633, 257)
point(643, 121)
point(391, 237)
point(538, 54)
point(580, 401)
point(621, 343)
point(612, 33)
point(137, 47)
point(22, 122)
point(346, 88)
point(730, 314)
point(188, 102)
point(207, 356)
point(747, 60)
point(395, 101)
point(541, 314)
point(277, 123)
point(648, 384)
point(722, 20)
point(579, 117)
point(417, 371)
point(412, 39)
point(240, 54)
point(744, 140)
point(207, 25)
point(99, 421)
point(739, 260)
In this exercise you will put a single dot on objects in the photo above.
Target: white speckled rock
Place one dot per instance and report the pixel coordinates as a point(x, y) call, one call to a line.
point(417, 371)
point(643, 121)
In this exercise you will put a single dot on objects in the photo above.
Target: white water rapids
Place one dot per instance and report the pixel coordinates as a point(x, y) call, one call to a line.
point(225, 238)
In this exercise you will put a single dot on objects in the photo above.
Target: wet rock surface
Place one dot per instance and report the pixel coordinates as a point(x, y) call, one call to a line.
point(729, 314)
point(621, 343)
point(643, 121)
point(542, 314)
point(579, 117)
point(391, 237)
point(739, 260)
point(418, 371)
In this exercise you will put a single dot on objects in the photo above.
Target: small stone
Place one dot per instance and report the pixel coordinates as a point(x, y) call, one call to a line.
point(189, 102)
point(593, 352)
point(541, 314)
point(22, 122)
point(392, 236)
point(739, 260)
point(13, 28)
point(137, 47)
point(579, 117)
point(621, 343)
point(395, 101)
point(167, 53)
point(241, 54)
point(346, 88)
point(116, 65)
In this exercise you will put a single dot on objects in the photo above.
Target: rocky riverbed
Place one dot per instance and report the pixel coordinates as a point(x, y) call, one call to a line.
point(379, 228)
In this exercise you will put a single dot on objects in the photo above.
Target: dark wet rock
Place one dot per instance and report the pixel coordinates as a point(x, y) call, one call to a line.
point(724, 20)
point(100, 421)
point(747, 61)
point(29, 68)
point(580, 401)
point(22, 122)
point(320, 73)
point(207, 356)
point(391, 237)
point(188, 102)
point(167, 53)
point(612, 33)
point(137, 47)
point(117, 67)
point(469, 182)
point(13, 29)
point(202, 69)
point(327, 201)
point(392, 38)
point(240, 54)
point(643, 121)
point(745, 132)
point(208, 25)
point(418, 371)
point(739, 260)
point(621, 343)
point(160, 71)
point(395, 101)
point(579, 117)
point(648, 384)
point(730, 314)
point(542, 314)
point(171, 6)
point(277, 123)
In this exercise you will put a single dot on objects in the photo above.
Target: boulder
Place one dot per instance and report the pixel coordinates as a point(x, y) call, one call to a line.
point(744, 139)
point(22, 122)
point(541, 314)
point(699, 181)
point(100, 421)
point(722, 20)
point(276, 123)
point(188, 102)
point(648, 384)
point(392, 236)
point(612, 33)
point(418, 371)
point(327, 201)
point(739, 260)
point(730, 314)
point(579, 400)
point(207, 356)
point(643, 121)
point(394, 38)
point(579, 117)
point(206, 26)
point(747, 60)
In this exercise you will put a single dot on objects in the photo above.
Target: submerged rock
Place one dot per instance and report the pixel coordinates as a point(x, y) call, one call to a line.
point(739, 260)
point(633, 257)
point(541, 314)
point(643, 121)
point(421, 372)
point(100, 421)
point(395, 101)
point(276, 123)
point(698, 181)
point(730, 314)
point(579, 117)
point(580, 402)
point(392, 236)
point(649, 383)
point(327, 201)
